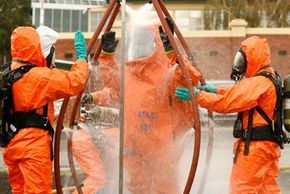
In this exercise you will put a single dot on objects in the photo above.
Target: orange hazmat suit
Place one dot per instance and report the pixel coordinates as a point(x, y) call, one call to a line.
point(257, 171)
point(154, 119)
point(28, 155)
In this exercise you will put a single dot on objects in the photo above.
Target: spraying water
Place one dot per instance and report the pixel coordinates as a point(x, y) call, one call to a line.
point(142, 44)
point(161, 160)
point(145, 15)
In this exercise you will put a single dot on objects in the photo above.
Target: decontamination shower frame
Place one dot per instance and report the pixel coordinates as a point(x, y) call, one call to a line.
point(110, 16)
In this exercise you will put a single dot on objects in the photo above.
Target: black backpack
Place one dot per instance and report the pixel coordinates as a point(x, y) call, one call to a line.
point(274, 131)
point(7, 78)
point(10, 121)
point(271, 132)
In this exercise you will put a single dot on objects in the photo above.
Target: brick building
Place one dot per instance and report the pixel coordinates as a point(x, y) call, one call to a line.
point(214, 50)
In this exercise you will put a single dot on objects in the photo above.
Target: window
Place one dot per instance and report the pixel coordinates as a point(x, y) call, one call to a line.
point(63, 19)
point(59, 1)
point(182, 19)
point(75, 20)
point(57, 20)
point(68, 55)
point(84, 21)
point(189, 19)
point(282, 52)
point(66, 18)
point(86, 2)
point(195, 23)
point(36, 16)
point(95, 20)
point(48, 17)
point(69, 1)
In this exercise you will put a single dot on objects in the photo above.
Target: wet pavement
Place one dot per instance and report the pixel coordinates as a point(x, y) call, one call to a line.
point(221, 163)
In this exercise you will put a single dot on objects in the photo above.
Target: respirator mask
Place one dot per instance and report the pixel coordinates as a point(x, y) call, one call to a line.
point(239, 66)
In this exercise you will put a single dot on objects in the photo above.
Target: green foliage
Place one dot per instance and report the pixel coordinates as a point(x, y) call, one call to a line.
point(258, 13)
point(14, 13)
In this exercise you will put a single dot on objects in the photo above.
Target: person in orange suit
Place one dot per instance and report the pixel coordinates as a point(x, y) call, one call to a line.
point(154, 118)
point(94, 155)
point(255, 167)
point(28, 154)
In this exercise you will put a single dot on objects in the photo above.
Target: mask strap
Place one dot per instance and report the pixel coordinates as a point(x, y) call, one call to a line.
point(49, 57)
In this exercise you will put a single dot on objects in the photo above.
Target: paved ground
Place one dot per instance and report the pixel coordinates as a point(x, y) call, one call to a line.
point(219, 173)
point(221, 162)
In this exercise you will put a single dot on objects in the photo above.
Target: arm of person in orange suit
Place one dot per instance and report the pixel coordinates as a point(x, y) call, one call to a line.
point(110, 93)
point(193, 73)
point(237, 98)
point(58, 83)
point(222, 89)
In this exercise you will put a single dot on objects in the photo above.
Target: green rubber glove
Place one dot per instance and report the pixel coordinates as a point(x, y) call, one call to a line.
point(80, 46)
point(207, 87)
point(183, 93)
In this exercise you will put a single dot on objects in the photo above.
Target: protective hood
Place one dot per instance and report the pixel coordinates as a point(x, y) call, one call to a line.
point(157, 56)
point(48, 38)
point(257, 52)
point(25, 46)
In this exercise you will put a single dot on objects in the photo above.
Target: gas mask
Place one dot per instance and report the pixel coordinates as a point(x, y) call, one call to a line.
point(239, 66)
point(51, 58)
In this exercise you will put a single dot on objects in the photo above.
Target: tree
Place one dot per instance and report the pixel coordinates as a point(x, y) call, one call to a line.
point(13, 13)
point(258, 13)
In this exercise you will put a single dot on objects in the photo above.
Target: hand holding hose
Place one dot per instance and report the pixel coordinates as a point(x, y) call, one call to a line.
point(207, 87)
point(184, 94)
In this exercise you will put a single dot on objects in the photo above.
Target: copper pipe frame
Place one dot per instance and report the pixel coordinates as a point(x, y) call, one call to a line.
point(196, 126)
point(60, 122)
point(113, 4)
point(77, 184)
point(93, 40)
point(100, 26)
point(58, 130)
point(210, 114)
point(108, 28)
